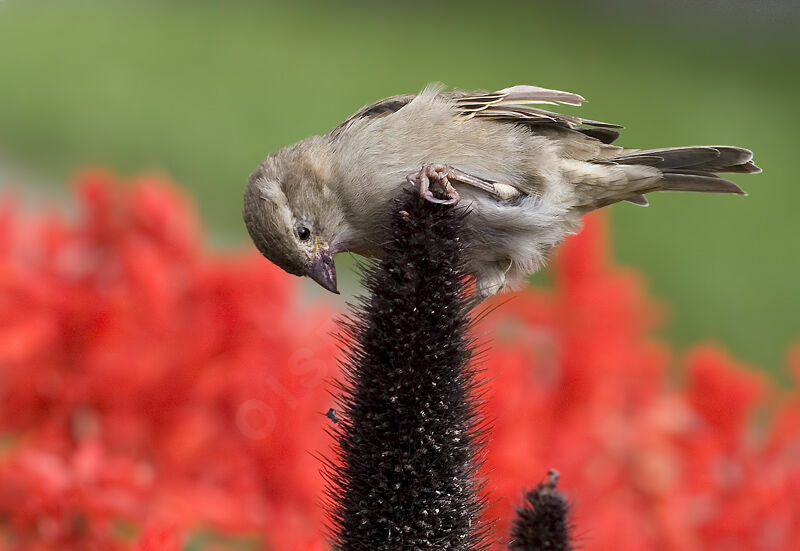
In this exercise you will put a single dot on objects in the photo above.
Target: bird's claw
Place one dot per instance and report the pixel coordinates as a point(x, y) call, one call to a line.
point(433, 173)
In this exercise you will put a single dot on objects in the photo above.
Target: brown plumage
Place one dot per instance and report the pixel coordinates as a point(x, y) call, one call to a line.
point(528, 174)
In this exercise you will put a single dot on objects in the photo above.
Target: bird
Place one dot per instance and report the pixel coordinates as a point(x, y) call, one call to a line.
point(527, 176)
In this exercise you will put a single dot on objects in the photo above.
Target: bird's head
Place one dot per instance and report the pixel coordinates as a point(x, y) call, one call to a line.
point(291, 214)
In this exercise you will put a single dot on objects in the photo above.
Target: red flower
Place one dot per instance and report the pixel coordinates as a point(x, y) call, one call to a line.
point(147, 380)
point(158, 538)
point(155, 393)
point(579, 384)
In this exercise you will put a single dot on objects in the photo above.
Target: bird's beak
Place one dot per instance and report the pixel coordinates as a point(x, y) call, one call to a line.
point(323, 270)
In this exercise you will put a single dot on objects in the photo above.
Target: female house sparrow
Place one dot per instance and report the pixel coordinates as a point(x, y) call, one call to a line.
point(528, 176)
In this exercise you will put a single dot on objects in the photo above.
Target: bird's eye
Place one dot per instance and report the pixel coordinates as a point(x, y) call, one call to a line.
point(303, 233)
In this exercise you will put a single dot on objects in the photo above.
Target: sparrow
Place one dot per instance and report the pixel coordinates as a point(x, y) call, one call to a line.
point(526, 174)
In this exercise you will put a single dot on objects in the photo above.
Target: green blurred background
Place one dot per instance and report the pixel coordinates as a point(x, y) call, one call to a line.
point(203, 90)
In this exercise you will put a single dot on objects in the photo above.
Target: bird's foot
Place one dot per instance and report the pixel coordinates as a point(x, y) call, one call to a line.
point(441, 174)
point(434, 173)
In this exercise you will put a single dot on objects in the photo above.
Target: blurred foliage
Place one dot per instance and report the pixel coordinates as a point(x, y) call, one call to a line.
point(203, 90)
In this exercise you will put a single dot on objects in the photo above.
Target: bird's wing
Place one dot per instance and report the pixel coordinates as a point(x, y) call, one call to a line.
point(514, 105)
point(511, 104)
point(380, 108)
point(520, 94)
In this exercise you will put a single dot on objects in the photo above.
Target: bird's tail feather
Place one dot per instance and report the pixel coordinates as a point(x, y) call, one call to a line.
point(697, 182)
point(692, 169)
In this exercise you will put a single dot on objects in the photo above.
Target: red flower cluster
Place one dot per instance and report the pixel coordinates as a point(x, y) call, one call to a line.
point(147, 382)
point(156, 396)
point(578, 384)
